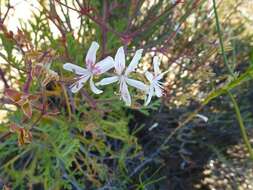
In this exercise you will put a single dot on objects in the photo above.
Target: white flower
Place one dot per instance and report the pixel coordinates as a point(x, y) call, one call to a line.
point(122, 75)
point(93, 68)
point(155, 86)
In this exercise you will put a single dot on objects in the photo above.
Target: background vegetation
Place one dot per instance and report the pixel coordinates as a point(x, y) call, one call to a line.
point(53, 139)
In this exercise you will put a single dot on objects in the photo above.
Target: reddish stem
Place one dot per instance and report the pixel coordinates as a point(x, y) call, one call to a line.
point(4, 79)
point(89, 99)
point(152, 21)
point(97, 20)
point(9, 7)
point(104, 30)
point(29, 78)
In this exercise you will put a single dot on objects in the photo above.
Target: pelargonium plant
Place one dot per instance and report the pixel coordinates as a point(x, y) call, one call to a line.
point(71, 132)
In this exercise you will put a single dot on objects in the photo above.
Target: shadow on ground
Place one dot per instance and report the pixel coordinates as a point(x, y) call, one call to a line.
point(200, 156)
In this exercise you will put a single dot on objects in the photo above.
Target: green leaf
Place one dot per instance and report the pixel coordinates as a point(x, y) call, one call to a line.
point(246, 76)
point(8, 45)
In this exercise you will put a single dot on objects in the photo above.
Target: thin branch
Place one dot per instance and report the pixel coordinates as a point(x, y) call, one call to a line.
point(151, 22)
point(9, 7)
point(4, 79)
point(94, 19)
point(241, 125)
point(221, 39)
point(104, 30)
point(89, 99)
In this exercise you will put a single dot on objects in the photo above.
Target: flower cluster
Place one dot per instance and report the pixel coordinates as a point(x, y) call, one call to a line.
point(121, 74)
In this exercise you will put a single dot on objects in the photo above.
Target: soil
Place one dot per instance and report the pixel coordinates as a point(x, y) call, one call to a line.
point(185, 164)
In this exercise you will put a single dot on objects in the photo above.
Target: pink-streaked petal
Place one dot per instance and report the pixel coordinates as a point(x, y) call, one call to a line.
point(133, 64)
point(93, 88)
point(149, 95)
point(107, 81)
point(125, 95)
point(75, 68)
point(149, 76)
point(104, 65)
point(137, 84)
point(158, 91)
point(156, 63)
point(119, 62)
point(91, 55)
point(79, 84)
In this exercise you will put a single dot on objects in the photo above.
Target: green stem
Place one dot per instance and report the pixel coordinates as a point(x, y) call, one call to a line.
point(236, 107)
point(221, 39)
point(241, 125)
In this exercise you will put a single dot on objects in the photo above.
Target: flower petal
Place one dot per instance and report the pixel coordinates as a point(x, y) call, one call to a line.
point(137, 84)
point(120, 60)
point(104, 65)
point(158, 91)
point(108, 80)
point(161, 75)
point(79, 84)
point(75, 68)
point(125, 95)
point(91, 54)
point(149, 95)
point(93, 88)
point(149, 76)
point(156, 63)
point(133, 64)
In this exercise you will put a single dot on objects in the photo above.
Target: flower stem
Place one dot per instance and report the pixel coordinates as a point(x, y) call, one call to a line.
point(241, 125)
point(221, 39)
